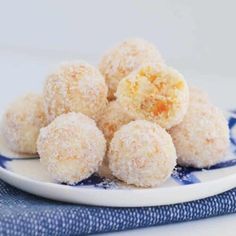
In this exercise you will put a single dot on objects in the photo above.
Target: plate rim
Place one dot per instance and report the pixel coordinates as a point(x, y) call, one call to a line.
point(225, 183)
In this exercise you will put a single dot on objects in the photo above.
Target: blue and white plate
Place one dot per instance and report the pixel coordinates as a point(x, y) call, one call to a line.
point(185, 184)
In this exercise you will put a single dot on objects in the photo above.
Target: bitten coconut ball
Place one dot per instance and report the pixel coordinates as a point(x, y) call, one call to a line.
point(202, 138)
point(156, 93)
point(197, 95)
point(142, 153)
point(75, 87)
point(71, 147)
point(119, 61)
point(112, 119)
point(22, 122)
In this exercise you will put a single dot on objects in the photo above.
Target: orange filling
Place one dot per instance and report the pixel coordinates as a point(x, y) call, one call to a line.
point(147, 72)
point(161, 107)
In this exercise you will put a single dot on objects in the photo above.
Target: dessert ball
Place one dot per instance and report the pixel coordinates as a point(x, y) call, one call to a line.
point(112, 119)
point(119, 61)
point(71, 147)
point(197, 95)
point(202, 138)
point(155, 92)
point(142, 153)
point(75, 87)
point(22, 122)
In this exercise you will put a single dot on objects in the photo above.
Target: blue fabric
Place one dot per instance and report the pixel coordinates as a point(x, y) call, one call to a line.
point(25, 214)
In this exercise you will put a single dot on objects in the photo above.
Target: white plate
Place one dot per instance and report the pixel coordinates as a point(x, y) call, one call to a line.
point(186, 184)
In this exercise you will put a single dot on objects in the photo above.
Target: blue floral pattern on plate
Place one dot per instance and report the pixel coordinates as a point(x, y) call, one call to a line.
point(182, 175)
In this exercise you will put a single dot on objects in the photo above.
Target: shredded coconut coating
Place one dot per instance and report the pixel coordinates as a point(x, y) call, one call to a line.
point(156, 93)
point(142, 153)
point(112, 119)
point(75, 87)
point(71, 147)
point(119, 61)
point(198, 95)
point(22, 122)
point(202, 138)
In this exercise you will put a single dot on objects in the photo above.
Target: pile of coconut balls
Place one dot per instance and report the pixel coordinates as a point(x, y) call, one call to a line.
point(135, 114)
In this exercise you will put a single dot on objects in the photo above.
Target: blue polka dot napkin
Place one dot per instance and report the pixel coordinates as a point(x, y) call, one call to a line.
point(24, 214)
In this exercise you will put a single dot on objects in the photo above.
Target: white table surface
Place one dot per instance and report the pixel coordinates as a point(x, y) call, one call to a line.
point(22, 70)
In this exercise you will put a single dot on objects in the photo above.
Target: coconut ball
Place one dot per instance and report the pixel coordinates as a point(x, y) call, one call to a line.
point(202, 138)
point(142, 153)
point(156, 93)
point(198, 95)
point(112, 119)
point(119, 61)
point(22, 122)
point(75, 87)
point(71, 147)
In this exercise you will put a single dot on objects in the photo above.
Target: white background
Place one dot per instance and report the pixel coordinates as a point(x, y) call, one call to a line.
point(195, 36)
